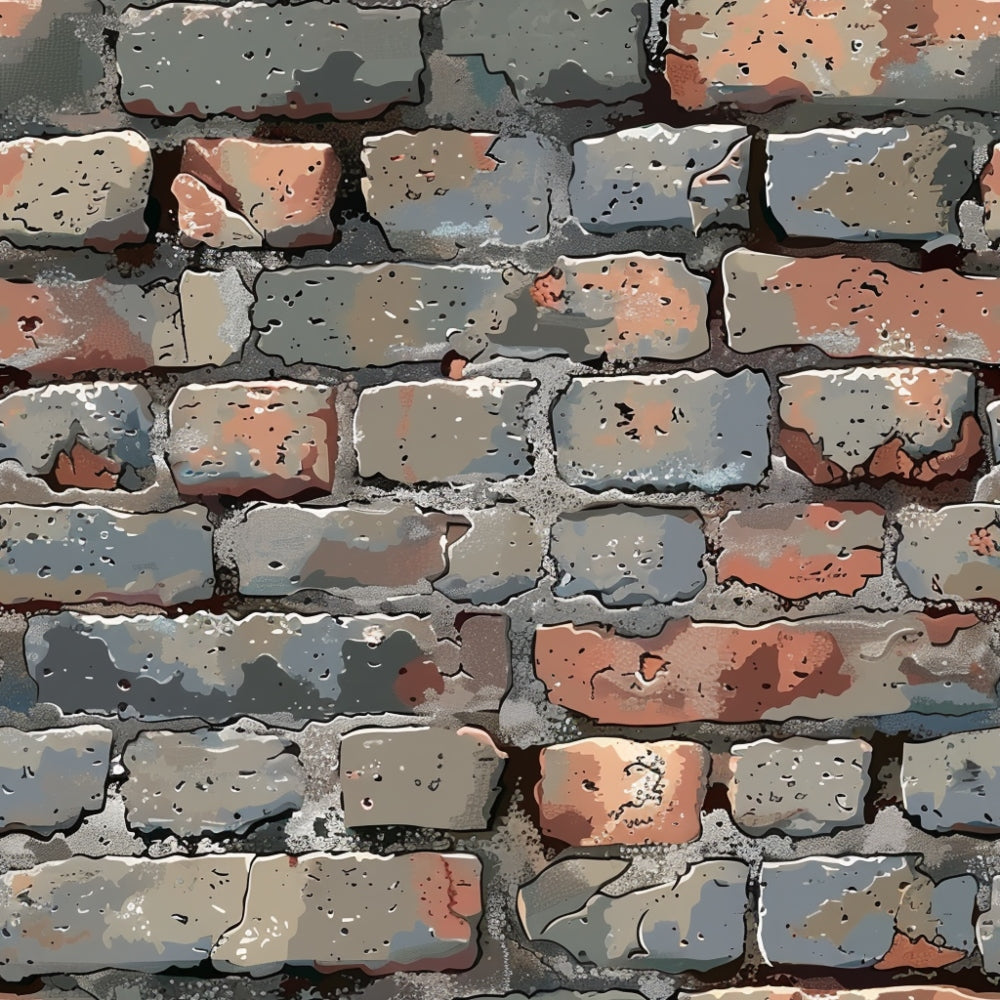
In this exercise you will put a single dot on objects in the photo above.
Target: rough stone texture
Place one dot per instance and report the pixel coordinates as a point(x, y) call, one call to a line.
point(439, 191)
point(50, 777)
point(298, 61)
point(658, 176)
point(912, 991)
point(862, 664)
point(418, 776)
point(849, 307)
point(274, 438)
point(987, 932)
point(951, 553)
point(580, 50)
point(75, 191)
point(800, 787)
point(989, 193)
point(920, 174)
point(281, 668)
point(189, 784)
point(242, 193)
point(412, 912)
point(77, 554)
point(802, 550)
point(913, 423)
point(444, 431)
point(609, 790)
point(382, 314)
point(215, 310)
point(694, 923)
point(91, 436)
point(700, 430)
point(951, 783)
point(857, 912)
point(140, 913)
point(623, 307)
point(993, 419)
point(626, 556)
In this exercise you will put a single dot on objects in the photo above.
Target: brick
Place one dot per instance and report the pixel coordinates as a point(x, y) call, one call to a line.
point(72, 555)
point(581, 51)
point(989, 194)
point(609, 790)
point(623, 307)
point(240, 192)
point(627, 556)
point(444, 431)
point(190, 784)
point(307, 59)
point(916, 177)
point(819, 668)
point(215, 310)
point(849, 307)
point(420, 777)
point(802, 550)
point(862, 912)
point(993, 422)
point(915, 424)
point(911, 991)
point(440, 191)
point(987, 935)
point(691, 924)
point(278, 439)
point(409, 912)
point(283, 669)
point(952, 553)
point(798, 787)
point(52, 777)
point(91, 436)
point(382, 314)
point(75, 191)
point(857, 53)
point(685, 430)
point(547, 995)
point(658, 176)
point(140, 913)
point(950, 784)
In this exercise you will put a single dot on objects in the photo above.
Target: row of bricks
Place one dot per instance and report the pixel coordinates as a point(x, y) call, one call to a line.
point(421, 912)
point(592, 792)
point(439, 191)
point(624, 307)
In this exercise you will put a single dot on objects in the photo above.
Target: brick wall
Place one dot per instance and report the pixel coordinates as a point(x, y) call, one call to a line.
point(499, 497)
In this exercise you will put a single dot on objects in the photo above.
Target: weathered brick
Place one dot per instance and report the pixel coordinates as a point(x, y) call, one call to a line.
point(189, 784)
point(382, 314)
point(913, 179)
point(993, 421)
point(51, 777)
point(911, 991)
point(623, 307)
point(627, 556)
point(240, 192)
point(215, 314)
point(139, 913)
point(700, 430)
point(274, 438)
point(285, 669)
point(418, 776)
point(989, 193)
point(799, 787)
point(916, 424)
point(439, 191)
point(857, 53)
point(862, 912)
point(444, 431)
point(691, 924)
point(802, 550)
point(951, 784)
point(91, 436)
point(658, 176)
point(952, 553)
point(546, 995)
point(77, 554)
point(987, 932)
point(581, 50)
point(608, 790)
point(75, 191)
point(408, 912)
point(849, 307)
point(819, 668)
point(307, 59)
